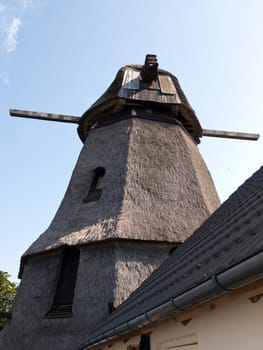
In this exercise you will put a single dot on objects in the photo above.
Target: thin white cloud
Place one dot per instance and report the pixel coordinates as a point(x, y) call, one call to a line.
point(11, 18)
point(12, 34)
point(26, 4)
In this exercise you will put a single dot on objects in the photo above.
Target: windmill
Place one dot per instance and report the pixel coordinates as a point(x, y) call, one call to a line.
point(139, 189)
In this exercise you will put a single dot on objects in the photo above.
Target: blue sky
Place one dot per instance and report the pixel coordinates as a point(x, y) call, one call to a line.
point(60, 56)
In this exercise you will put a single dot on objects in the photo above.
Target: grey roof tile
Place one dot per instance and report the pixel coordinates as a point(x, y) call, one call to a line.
point(229, 236)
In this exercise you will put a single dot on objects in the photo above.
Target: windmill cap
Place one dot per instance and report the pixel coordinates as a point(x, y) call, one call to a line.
point(143, 86)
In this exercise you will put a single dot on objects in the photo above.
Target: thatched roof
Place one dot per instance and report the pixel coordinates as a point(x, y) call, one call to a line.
point(156, 188)
point(128, 89)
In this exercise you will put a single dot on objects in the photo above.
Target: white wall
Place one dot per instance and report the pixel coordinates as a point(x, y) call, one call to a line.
point(229, 323)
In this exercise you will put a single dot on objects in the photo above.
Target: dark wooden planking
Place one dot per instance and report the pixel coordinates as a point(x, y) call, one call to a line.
point(167, 85)
point(230, 134)
point(44, 116)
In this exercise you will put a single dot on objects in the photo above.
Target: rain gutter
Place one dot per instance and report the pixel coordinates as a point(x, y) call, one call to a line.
point(239, 275)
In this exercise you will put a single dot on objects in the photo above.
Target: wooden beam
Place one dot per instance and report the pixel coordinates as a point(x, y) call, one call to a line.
point(44, 116)
point(230, 134)
point(75, 120)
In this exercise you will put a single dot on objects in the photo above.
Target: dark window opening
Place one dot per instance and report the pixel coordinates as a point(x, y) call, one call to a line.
point(172, 250)
point(111, 307)
point(95, 190)
point(63, 299)
point(145, 342)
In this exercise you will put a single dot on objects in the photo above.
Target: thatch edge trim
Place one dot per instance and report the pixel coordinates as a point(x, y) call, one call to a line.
point(57, 250)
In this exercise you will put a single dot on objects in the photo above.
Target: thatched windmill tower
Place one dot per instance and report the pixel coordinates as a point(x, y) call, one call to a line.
point(139, 188)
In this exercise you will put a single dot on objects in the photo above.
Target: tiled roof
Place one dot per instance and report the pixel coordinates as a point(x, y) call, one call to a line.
point(228, 237)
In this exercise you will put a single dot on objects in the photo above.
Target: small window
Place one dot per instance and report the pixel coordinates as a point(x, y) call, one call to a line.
point(63, 299)
point(172, 250)
point(145, 343)
point(111, 307)
point(95, 190)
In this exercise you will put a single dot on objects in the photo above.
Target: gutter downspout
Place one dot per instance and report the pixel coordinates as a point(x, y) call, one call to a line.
point(239, 275)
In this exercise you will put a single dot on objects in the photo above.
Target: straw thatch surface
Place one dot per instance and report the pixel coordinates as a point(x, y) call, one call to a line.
point(156, 187)
point(106, 273)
